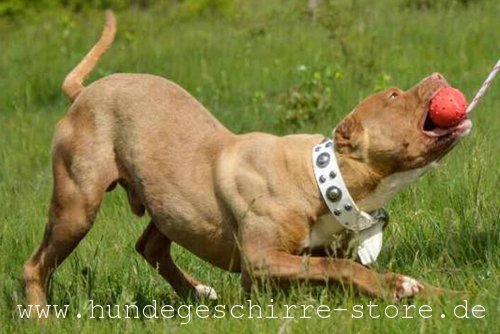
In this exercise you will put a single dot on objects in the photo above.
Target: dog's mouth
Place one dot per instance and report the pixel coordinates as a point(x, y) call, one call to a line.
point(431, 129)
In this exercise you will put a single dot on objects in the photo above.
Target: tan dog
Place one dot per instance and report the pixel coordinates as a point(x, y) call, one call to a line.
point(246, 203)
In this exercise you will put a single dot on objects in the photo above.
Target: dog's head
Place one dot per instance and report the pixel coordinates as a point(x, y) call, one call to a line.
point(392, 132)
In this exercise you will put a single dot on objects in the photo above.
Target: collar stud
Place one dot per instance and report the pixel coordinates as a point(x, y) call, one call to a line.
point(323, 160)
point(333, 193)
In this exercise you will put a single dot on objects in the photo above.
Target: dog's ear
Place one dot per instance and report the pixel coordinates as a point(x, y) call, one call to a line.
point(348, 135)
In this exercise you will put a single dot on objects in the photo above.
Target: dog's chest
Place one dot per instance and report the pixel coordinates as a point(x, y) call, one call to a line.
point(324, 232)
point(390, 186)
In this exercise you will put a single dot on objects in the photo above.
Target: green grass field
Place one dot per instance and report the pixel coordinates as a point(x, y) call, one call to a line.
point(242, 64)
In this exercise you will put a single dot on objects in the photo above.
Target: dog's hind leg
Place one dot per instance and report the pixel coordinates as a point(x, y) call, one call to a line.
point(155, 248)
point(81, 177)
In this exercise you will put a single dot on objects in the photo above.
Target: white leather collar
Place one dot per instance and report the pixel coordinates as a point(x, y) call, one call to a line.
point(340, 203)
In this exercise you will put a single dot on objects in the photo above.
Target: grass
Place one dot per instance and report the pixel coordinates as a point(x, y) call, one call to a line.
point(444, 229)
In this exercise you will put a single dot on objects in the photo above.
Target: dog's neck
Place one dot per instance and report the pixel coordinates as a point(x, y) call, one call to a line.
point(369, 189)
point(358, 177)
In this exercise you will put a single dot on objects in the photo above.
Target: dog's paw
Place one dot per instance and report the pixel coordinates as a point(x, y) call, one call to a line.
point(406, 287)
point(204, 291)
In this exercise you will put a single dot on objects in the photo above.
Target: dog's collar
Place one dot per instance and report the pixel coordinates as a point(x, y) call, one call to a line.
point(334, 191)
point(340, 203)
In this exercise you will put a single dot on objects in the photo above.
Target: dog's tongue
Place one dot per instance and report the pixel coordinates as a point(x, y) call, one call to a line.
point(447, 107)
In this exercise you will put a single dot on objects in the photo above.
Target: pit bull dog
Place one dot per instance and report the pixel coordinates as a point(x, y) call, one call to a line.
point(246, 203)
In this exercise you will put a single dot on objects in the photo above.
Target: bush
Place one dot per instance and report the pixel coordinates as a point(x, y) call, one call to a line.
point(311, 99)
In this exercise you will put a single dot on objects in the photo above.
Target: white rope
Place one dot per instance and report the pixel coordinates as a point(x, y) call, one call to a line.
point(484, 87)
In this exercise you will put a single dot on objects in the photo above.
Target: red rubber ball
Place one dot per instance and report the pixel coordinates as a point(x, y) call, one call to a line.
point(447, 107)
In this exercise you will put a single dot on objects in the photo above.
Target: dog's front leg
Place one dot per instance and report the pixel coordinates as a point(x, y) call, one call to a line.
point(282, 267)
point(267, 251)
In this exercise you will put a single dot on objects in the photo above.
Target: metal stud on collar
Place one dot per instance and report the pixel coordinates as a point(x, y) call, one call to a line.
point(333, 193)
point(323, 159)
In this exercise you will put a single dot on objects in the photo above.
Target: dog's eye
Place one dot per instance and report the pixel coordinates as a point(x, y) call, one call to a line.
point(393, 95)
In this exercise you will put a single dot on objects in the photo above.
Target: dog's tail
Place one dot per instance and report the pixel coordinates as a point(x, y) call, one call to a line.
point(73, 83)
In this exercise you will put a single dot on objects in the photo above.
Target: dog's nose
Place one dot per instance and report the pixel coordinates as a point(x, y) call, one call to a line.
point(436, 76)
